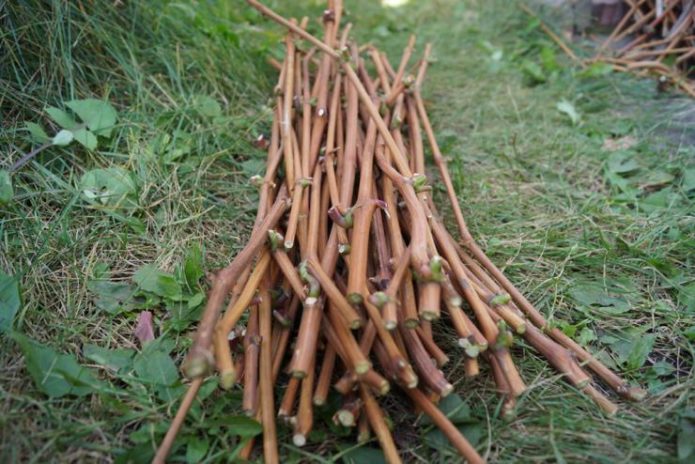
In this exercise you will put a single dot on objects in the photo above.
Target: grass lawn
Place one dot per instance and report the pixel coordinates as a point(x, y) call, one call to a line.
point(580, 184)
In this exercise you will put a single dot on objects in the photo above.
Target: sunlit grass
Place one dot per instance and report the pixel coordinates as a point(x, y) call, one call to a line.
point(394, 3)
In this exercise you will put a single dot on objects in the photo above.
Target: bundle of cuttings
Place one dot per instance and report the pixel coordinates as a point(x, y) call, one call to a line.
point(655, 37)
point(350, 269)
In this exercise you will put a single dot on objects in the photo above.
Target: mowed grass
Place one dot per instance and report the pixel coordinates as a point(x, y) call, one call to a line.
point(599, 238)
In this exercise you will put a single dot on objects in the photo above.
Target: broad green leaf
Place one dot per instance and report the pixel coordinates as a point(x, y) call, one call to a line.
point(62, 118)
point(625, 345)
point(54, 373)
point(10, 301)
point(592, 294)
point(37, 132)
point(207, 106)
point(586, 335)
point(163, 344)
point(112, 297)
point(196, 449)
point(193, 266)
point(686, 437)
point(657, 178)
point(664, 198)
point(533, 72)
point(207, 389)
point(243, 426)
point(182, 314)
point(686, 297)
point(116, 359)
point(640, 350)
point(6, 190)
point(110, 186)
point(63, 138)
point(688, 181)
point(98, 115)
point(563, 106)
point(455, 408)
point(155, 367)
point(364, 454)
point(614, 309)
point(473, 432)
point(607, 359)
point(196, 300)
point(627, 194)
point(86, 138)
point(170, 393)
point(690, 333)
point(567, 329)
point(622, 162)
point(151, 279)
point(662, 368)
point(253, 166)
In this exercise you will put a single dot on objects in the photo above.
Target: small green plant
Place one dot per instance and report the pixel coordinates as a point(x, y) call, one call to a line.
point(88, 120)
point(97, 118)
point(567, 108)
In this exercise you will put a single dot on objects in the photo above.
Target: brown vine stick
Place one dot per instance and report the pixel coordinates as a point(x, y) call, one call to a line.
point(223, 354)
point(267, 404)
point(450, 431)
point(199, 358)
point(359, 246)
point(305, 411)
point(168, 441)
point(249, 403)
point(378, 424)
point(323, 384)
point(287, 112)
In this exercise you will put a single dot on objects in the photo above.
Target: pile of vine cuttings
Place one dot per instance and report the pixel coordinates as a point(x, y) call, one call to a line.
point(350, 269)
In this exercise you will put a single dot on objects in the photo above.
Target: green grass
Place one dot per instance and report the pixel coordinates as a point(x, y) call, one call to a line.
point(600, 240)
